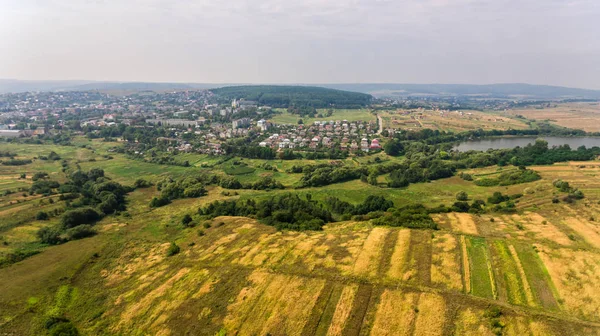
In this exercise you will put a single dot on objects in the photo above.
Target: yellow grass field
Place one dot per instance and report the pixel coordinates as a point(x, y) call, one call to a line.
point(576, 275)
point(395, 313)
point(445, 262)
point(579, 115)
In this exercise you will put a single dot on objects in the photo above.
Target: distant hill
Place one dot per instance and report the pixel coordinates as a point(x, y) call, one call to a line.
point(294, 95)
point(519, 91)
point(491, 90)
point(11, 85)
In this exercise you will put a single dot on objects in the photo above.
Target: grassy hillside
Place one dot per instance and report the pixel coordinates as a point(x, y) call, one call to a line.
point(533, 272)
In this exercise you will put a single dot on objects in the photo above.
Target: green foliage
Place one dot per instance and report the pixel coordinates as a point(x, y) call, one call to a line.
point(39, 176)
point(296, 96)
point(173, 249)
point(80, 231)
point(73, 218)
point(510, 178)
point(497, 198)
point(141, 183)
point(187, 220)
point(16, 162)
point(287, 211)
point(462, 196)
point(393, 147)
point(158, 202)
point(42, 215)
point(49, 235)
point(415, 217)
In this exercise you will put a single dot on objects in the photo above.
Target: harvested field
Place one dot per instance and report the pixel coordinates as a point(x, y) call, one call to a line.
point(445, 262)
point(463, 223)
point(400, 255)
point(579, 115)
point(418, 270)
point(544, 229)
point(465, 265)
point(282, 307)
point(395, 313)
point(589, 232)
point(342, 310)
point(471, 322)
point(431, 315)
point(368, 260)
point(576, 275)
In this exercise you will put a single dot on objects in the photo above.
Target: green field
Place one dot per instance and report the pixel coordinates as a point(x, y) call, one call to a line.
point(482, 282)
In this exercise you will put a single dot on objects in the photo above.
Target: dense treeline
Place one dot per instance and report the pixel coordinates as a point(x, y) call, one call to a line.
point(89, 196)
point(287, 211)
point(297, 96)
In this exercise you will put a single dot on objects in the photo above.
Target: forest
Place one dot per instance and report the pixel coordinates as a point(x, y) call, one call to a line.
point(297, 96)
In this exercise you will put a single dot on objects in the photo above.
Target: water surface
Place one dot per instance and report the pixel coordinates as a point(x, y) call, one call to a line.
point(512, 142)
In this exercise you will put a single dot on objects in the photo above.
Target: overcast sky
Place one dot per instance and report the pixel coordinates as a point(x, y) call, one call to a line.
point(554, 42)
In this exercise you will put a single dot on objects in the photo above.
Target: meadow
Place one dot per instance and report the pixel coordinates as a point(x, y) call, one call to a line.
point(531, 272)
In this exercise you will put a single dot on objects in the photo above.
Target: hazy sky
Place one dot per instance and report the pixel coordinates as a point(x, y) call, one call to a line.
point(553, 42)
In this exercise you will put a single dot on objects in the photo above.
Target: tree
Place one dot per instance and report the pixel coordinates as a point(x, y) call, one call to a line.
point(393, 147)
point(462, 196)
point(372, 179)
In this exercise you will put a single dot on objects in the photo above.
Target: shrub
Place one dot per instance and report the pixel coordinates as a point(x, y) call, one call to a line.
point(42, 215)
point(173, 250)
point(77, 217)
point(462, 196)
point(49, 235)
point(187, 220)
point(141, 183)
point(80, 231)
point(158, 202)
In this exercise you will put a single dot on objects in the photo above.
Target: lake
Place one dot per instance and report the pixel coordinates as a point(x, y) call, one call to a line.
point(502, 143)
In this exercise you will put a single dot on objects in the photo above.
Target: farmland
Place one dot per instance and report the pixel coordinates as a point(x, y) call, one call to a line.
point(455, 121)
point(534, 271)
point(580, 115)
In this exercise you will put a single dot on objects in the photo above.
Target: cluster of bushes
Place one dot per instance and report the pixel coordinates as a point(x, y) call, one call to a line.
point(371, 204)
point(573, 194)
point(16, 162)
point(7, 154)
point(324, 174)
point(96, 196)
point(53, 156)
point(423, 170)
point(413, 216)
point(522, 175)
point(287, 211)
point(187, 187)
point(43, 187)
